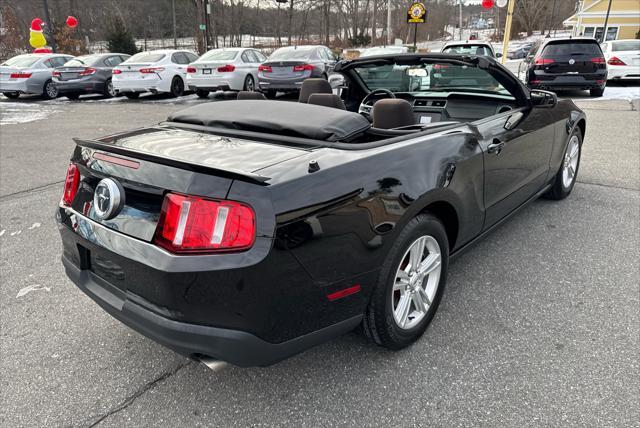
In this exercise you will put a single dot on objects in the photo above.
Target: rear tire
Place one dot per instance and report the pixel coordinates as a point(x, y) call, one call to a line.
point(72, 96)
point(11, 95)
point(382, 322)
point(249, 84)
point(132, 95)
point(596, 92)
point(49, 90)
point(566, 177)
point(109, 92)
point(201, 93)
point(177, 87)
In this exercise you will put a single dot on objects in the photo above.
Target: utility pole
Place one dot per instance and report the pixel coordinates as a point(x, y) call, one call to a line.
point(49, 27)
point(553, 15)
point(388, 22)
point(606, 22)
point(173, 11)
point(507, 31)
point(460, 23)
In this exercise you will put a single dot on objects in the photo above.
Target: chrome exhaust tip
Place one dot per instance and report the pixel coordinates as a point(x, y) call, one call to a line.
point(212, 363)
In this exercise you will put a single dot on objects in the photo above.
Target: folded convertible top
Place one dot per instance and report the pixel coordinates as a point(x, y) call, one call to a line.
point(277, 117)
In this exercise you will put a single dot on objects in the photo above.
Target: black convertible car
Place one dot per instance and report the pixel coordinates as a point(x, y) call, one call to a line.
point(250, 230)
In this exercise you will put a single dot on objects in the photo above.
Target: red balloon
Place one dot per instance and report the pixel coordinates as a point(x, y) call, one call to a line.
point(487, 4)
point(36, 24)
point(72, 21)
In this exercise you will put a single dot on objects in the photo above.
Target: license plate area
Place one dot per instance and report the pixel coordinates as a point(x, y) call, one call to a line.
point(206, 71)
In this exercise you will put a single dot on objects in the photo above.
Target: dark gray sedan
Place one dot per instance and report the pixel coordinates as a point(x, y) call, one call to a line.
point(88, 74)
point(287, 67)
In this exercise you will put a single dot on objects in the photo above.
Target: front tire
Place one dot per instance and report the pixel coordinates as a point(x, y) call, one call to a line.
point(410, 284)
point(72, 95)
point(49, 90)
point(132, 95)
point(596, 92)
point(11, 95)
point(566, 177)
point(177, 87)
point(271, 93)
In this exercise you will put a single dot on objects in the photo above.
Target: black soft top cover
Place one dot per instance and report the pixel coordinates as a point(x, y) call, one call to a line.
point(277, 117)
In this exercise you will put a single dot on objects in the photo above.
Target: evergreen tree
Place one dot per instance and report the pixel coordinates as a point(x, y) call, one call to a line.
point(120, 39)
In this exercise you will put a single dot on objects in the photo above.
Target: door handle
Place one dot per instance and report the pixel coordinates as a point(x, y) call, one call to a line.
point(495, 147)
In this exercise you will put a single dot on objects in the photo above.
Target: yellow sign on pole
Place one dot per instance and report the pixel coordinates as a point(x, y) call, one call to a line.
point(416, 14)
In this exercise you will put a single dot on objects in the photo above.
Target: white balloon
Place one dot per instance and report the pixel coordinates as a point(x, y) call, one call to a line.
point(502, 3)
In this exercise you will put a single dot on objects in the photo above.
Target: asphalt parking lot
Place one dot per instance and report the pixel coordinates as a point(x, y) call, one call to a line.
point(539, 325)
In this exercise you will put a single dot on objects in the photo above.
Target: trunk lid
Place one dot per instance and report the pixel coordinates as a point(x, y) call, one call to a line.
point(149, 162)
point(284, 69)
point(69, 73)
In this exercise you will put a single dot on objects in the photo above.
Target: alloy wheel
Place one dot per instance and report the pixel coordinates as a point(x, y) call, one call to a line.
point(416, 282)
point(52, 91)
point(110, 89)
point(570, 162)
point(248, 84)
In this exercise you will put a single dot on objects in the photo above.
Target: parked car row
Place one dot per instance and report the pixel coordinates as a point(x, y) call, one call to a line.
point(164, 71)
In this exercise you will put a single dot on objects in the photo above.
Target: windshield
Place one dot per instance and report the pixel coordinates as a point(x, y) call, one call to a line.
point(22, 61)
point(82, 60)
point(289, 53)
point(468, 50)
point(628, 45)
point(145, 57)
point(219, 55)
point(429, 77)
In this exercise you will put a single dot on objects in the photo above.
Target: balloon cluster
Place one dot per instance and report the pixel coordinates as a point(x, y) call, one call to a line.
point(487, 4)
point(36, 35)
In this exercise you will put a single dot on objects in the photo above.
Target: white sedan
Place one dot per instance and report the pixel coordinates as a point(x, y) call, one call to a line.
point(623, 59)
point(161, 71)
point(225, 69)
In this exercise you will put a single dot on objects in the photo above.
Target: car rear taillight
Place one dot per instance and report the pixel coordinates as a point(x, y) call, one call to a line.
point(598, 60)
point(71, 183)
point(116, 71)
point(191, 70)
point(440, 66)
point(151, 70)
point(303, 67)
point(614, 60)
point(87, 71)
point(20, 75)
point(265, 68)
point(226, 68)
point(56, 74)
point(190, 224)
point(543, 61)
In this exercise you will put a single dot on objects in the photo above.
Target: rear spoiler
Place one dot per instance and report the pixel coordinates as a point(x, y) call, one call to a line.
point(190, 166)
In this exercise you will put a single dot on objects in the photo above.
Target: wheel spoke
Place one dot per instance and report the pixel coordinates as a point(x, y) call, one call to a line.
point(416, 253)
point(424, 296)
point(571, 171)
point(402, 311)
point(419, 302)
point(429, 264)
point(574, 151)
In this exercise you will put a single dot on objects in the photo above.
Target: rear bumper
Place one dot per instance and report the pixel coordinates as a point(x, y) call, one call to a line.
point(236, 347)
point(15, 86)
point(141, 85)
point(234, 83)
point(624, 72)
point(567, 81)
point(281, 85)
point(79, 86)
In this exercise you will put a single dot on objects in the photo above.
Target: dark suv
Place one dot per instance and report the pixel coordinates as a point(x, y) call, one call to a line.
point(565, 64)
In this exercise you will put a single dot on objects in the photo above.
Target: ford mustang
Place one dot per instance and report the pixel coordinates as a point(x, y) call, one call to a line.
point(250, 230)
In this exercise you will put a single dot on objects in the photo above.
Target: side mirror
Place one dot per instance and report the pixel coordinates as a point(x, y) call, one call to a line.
point(499, 55)
point(529, 58)
point(543, 99)
point(336, 80)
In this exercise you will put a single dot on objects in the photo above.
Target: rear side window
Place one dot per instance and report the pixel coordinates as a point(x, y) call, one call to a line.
point(259, 56)
point(191, 57)
point(112, 61)
point(572, 48)
point(628, 45)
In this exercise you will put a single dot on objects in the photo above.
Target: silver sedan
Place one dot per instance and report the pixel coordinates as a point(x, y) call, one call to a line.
point(30, 74)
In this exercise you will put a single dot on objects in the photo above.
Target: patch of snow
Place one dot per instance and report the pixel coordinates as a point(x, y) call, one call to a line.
point(12, 113)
